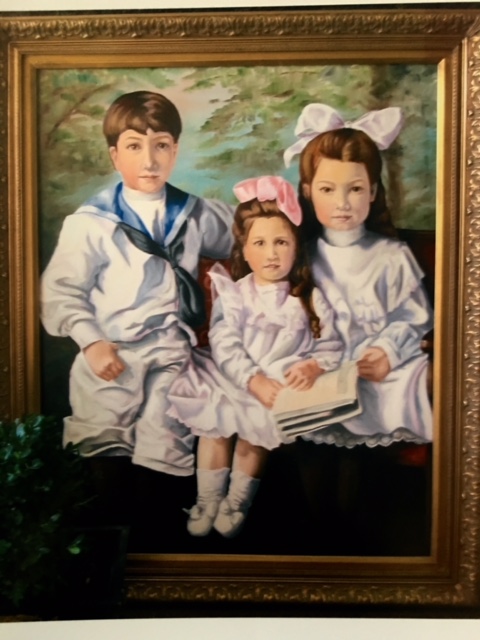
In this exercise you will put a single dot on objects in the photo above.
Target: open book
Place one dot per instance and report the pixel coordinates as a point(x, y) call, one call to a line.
point(333, 398)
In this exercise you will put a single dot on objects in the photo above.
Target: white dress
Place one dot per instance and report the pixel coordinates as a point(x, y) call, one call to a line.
point(254, 329)
point(374, 285)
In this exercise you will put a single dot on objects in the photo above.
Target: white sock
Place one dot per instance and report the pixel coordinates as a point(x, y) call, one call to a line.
point(212, 483)
point(242, 490)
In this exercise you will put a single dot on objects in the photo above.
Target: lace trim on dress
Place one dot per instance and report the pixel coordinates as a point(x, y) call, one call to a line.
point(339, 436)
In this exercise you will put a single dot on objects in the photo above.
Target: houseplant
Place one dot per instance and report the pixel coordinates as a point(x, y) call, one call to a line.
point(43, 490)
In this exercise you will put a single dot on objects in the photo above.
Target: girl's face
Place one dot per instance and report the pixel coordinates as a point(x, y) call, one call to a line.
point(270, 249)
point(341, 194)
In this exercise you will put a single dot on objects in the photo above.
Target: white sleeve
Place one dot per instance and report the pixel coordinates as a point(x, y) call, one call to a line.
point(329, 348)
point(406, 326)
point(67, 281)
point(409, 314)
point(216, 220)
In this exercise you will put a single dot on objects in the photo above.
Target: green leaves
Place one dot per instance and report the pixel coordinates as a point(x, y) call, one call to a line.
point(43, 486)
point(76, 546)
point(237, 121)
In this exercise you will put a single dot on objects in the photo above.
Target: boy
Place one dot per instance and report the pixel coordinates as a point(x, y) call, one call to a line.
point(113, 286)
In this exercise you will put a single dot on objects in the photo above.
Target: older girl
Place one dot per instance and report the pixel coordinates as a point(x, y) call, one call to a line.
point(270, 328)
point(370, 279)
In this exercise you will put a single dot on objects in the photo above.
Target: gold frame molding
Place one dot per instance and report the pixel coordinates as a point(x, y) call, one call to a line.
point(447, 37)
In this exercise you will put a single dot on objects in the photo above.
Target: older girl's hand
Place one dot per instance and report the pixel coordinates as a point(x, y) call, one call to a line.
point(302, 375)
point(264, 389)
point(103, 360)
point(374, 365)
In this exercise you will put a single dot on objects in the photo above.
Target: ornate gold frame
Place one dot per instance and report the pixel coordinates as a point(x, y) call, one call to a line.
point(447, 37)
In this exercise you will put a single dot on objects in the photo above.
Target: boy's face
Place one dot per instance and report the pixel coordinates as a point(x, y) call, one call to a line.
point(145, 161)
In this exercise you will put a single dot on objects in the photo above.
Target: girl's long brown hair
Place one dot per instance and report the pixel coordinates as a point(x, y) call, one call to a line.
point(300, 277)
point(347, 145)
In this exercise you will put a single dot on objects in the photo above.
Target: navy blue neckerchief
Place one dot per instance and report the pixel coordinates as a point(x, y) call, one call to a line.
point(192, 298)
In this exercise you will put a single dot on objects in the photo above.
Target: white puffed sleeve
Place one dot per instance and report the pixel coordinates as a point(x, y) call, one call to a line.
point(67, 281)
point(215, 220)
point(408, 311)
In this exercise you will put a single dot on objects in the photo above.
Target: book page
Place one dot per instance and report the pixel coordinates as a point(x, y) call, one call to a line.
point(331, 390)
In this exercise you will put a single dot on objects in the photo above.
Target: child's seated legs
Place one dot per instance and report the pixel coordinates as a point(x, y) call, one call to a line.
point(214, 457)
point(126, 416)
point(162, 443)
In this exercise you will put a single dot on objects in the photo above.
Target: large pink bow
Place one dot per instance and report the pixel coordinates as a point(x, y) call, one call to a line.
point(271, 188)
point(382, 126)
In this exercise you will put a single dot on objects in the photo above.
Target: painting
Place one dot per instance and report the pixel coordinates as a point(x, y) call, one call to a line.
point(257, 108)
point(379, 514)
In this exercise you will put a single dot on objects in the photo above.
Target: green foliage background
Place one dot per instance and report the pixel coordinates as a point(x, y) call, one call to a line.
point(237, 123)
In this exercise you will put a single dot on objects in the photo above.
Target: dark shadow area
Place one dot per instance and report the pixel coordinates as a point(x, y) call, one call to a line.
point(94, 579)
point(313, 500)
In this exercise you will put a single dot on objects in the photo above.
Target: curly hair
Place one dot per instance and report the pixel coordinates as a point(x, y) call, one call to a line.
point(347, 145)
point(300, 277)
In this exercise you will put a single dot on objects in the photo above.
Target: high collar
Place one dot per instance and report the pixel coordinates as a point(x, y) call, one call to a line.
point(135, 195)
point(343, 238)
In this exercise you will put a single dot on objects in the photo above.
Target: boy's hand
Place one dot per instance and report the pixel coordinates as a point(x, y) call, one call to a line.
point(264, 389)
point(103, 360)
point(374, 365)
point(302, 375)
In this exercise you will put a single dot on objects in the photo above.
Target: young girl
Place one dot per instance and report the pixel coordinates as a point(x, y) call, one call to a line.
point(270, 328)
point(370, 279)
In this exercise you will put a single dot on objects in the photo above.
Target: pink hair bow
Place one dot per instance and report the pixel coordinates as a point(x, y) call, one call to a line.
point(382, 126)
point(271, 188)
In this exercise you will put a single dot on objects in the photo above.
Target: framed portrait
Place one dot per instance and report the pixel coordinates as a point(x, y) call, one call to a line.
point(391, 520)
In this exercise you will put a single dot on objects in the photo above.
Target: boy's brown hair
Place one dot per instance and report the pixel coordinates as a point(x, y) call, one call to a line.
point(141, 110)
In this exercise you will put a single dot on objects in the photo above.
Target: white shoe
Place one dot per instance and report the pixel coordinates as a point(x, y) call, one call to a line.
point(211, 488)
point(229, 521)
point(202, 516)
